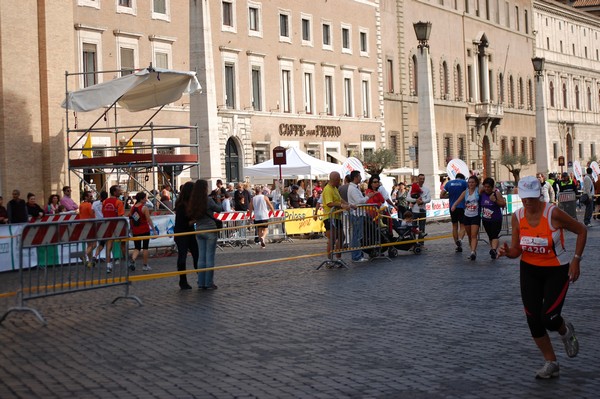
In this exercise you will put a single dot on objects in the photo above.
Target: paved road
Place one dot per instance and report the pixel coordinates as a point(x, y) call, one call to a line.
point(428, 326)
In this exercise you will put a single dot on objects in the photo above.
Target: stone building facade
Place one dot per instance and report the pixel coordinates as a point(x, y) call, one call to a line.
point(567, 39)
point(482, 80)
point(39, 41)
point(286, 73)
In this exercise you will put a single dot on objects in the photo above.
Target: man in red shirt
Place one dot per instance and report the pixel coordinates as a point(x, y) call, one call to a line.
point(112, 207)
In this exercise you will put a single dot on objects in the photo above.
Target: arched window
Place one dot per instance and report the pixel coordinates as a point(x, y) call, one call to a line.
point(444, 83)
point(564, 93)
point(576, 96)
point(501, 88)
point(511, 91)
point(552, 94)
point(521, 95)
point(232, 161)
point(459, 84)
point(413, 82)
point(589, 98)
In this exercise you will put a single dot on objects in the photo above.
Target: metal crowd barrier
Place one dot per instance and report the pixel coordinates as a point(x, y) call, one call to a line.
point(567, 201)
point(277, 230)
point(360, 228)
point(63, 268)
point(237, 234)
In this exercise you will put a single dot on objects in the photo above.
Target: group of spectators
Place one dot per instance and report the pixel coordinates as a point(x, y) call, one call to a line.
point(18, 210)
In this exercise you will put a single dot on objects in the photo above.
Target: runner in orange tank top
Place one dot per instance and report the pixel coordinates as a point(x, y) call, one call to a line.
point(546, 269)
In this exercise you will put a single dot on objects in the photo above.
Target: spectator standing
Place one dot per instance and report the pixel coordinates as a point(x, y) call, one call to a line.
point(313, 200)
point(112, 207)
point(3, 212)
point(294, 199)
point(333, 223)
point(226, 203)
point(97, 208)
point(201, 209)
point(401, 202)
point(452, 190)
point(343, 189)
point(17, 209)
point(86, 211)
point(554, 184)
point(67, 201)
point(357, 216)
point(546, 269)
point(492, 203)
point(241, 198)
point(547, 190)
point(185, 243)
point(52, 205)
point(34, 211)
point(141, 226)
point(419, 204)
point(261, 206)
point(597, 199)
point(587, 197)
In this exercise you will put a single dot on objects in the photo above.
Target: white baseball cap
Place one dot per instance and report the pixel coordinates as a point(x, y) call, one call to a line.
point(530, 187)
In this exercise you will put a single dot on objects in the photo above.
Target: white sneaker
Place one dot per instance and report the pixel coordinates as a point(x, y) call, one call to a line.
point(146, 268)
point(550, 370)
point(109, 267)
point(361, 260)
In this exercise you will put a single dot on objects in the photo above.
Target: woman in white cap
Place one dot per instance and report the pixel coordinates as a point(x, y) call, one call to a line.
point(546, 269)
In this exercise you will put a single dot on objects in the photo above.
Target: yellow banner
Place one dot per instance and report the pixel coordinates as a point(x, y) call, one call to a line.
point(301, 221)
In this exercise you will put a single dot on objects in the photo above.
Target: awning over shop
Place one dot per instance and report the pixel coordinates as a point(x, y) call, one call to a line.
point(337, 155)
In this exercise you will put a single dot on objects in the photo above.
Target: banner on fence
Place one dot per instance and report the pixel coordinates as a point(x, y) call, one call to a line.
point(301, 221)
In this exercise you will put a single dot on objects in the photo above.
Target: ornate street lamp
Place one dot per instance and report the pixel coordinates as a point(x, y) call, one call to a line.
point(422, 30)
point(538, 65)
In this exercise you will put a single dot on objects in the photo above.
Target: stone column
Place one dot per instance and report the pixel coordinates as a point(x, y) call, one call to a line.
point(203, 106)
point(542, 158)
point(428, 152)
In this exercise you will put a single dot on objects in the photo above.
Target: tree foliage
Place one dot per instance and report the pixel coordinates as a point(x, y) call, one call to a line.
point(514, 163)
point(375, 162)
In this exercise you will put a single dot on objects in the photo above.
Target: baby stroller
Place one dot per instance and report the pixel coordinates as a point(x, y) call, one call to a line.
point(406, 236)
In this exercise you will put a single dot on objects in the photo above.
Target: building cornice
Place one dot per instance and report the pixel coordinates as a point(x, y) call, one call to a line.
point(99, 29)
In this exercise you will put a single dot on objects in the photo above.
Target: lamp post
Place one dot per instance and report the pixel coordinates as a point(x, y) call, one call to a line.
point(428, 153)
point(541, 117)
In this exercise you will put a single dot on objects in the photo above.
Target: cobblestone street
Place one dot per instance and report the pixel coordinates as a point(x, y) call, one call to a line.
point(429, 326)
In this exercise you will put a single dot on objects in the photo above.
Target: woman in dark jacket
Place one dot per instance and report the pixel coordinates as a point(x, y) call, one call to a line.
point(200, 210)
point(188, 242)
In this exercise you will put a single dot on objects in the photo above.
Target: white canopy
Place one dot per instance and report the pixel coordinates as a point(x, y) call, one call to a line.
point(298, 164)
point(142, 90)
point(408, 171)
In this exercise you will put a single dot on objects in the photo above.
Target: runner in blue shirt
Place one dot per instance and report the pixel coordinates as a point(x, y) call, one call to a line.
point(452, 190)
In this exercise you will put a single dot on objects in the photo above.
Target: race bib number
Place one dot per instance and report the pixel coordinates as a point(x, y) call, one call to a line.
point(487, 213)
point(536, 245)
point(472, 206)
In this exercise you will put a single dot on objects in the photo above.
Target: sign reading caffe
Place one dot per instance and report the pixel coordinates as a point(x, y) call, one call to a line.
point(302, 131)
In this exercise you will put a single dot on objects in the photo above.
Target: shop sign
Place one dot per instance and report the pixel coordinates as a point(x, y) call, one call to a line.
point(301, 130)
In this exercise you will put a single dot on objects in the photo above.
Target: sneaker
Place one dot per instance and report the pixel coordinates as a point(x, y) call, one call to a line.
point(211, 287)
point(570, 340)
point(493, 253)
point(550, 370)
point(90, 265)
point(473, 256)
point(588, 225)
point(262, 243)
point(146, 268)
point(458, 246)
point(131, 265)
point(109, 267)
point(361, 260)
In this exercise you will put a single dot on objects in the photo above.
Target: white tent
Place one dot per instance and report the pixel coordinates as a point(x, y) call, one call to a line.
point(298, 164)
point(408, 171)
point(136, 92)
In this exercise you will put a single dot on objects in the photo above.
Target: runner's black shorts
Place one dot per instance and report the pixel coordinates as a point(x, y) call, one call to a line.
point(457, 215)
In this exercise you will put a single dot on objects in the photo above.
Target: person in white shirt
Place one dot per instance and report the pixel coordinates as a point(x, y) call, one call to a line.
point(547, 190)
point(97, 208)
point(357, 216)
point(261, 206)
point(419, 203)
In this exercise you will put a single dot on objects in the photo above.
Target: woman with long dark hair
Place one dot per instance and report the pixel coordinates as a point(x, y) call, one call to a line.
point(200, 210)
point(187, 242)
